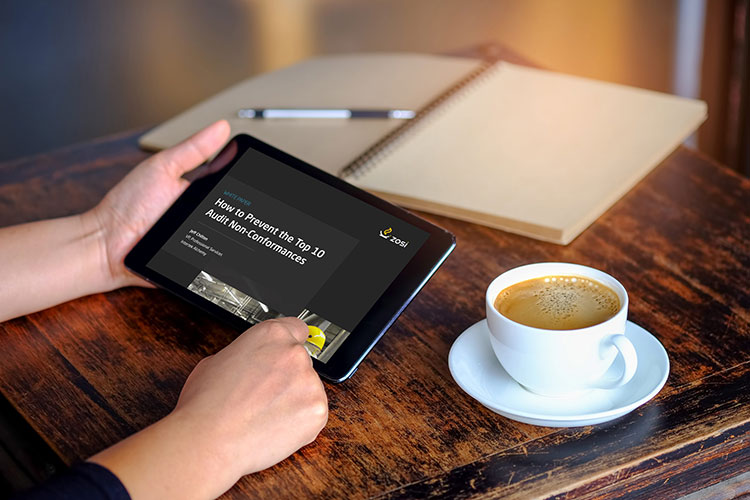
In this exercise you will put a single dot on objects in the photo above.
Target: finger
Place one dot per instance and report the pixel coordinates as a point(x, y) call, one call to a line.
point(297, 328)
point(217, 163)
point(195, 149)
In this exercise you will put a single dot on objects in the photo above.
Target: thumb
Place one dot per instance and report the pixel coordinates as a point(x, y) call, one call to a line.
point(194, 150)
point(296, 328)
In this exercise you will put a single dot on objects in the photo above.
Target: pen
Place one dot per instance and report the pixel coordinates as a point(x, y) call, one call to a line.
point(266, 113)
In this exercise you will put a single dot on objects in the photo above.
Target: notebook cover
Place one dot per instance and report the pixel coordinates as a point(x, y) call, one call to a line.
point(376, 80)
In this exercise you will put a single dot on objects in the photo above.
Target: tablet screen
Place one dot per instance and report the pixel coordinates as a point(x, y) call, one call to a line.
point(269, 240)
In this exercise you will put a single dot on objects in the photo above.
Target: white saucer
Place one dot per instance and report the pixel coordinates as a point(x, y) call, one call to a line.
point(478, 372)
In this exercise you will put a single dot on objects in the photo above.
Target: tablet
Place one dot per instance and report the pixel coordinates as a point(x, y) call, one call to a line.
point(260, 234)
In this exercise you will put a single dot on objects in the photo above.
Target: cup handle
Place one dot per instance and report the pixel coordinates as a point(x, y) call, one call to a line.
point(629, 356)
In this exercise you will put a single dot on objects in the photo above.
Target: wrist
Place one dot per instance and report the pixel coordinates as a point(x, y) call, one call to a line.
point(94, 239)
point(109, 248)
point(213, 450)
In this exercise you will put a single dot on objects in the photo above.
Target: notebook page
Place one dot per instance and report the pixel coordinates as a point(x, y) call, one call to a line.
point(534, 152)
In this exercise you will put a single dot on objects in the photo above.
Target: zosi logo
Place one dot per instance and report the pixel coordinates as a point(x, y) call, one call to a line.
point(388, 235)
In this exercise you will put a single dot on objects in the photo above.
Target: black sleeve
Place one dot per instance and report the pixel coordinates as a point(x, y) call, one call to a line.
point(86, 481)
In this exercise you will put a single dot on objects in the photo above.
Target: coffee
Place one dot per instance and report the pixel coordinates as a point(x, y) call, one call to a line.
point(558, 302)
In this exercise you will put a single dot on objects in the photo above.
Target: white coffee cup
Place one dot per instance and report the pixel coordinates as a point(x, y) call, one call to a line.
point(560, 362)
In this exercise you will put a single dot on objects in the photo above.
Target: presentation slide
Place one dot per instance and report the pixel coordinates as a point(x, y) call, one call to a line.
point(270, 241)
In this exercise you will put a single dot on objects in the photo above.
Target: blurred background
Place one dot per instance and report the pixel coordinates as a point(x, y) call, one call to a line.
point(73, 71)
point(76, 70)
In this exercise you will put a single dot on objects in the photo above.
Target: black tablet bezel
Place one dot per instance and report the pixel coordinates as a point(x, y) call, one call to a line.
point(373, 325)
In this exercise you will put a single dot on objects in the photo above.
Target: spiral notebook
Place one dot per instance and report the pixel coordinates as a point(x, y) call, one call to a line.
point(525, 150)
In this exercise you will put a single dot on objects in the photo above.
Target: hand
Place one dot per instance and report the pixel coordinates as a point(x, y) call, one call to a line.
point(260, 393)
point(241, 410)
point(136, 202)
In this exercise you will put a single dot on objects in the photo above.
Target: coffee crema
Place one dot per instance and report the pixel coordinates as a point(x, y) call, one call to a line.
point(558, 302)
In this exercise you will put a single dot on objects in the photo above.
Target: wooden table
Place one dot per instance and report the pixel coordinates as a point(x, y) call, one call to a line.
point(90, 372)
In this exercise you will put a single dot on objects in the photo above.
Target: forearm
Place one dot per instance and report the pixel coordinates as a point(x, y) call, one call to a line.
point(170, 459)
point(49, 262)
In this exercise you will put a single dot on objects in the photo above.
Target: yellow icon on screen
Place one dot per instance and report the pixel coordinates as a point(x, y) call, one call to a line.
point(316, 336)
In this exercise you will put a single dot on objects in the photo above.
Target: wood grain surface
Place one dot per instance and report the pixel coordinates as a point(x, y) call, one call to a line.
point(90, 372)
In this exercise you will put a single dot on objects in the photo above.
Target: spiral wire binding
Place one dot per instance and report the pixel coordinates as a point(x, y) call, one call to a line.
point(375, 153)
